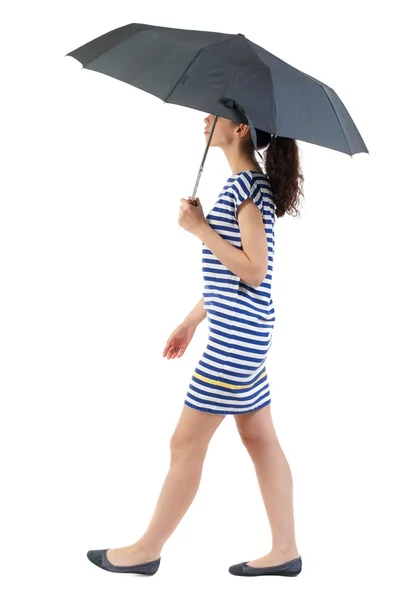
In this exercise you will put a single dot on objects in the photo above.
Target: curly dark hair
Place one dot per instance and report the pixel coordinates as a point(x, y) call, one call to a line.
point(283, 169)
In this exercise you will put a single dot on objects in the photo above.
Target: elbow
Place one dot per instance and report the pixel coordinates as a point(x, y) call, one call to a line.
point(256, 279)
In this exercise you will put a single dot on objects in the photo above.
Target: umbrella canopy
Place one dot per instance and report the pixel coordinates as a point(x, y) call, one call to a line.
point(226, 75)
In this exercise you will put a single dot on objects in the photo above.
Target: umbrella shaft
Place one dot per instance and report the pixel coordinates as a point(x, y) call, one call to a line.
point(193, 201)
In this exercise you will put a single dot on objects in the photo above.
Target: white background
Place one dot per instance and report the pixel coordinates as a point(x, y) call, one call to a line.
point(96, 273)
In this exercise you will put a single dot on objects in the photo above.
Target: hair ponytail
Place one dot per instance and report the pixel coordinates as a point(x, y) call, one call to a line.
point(283, 169)
point(281, 165)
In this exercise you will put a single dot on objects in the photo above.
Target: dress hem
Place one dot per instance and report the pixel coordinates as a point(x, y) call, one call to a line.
point(227, 412)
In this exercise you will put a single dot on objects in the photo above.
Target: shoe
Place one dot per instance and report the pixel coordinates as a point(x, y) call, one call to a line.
point(99, 558)
point(287, 569)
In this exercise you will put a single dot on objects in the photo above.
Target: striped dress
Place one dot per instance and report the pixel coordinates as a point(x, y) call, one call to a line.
point(231, 378)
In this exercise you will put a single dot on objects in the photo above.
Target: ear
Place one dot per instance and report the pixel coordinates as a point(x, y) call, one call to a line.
point(243, 129)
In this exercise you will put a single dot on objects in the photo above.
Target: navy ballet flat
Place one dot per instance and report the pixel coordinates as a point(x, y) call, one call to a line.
point(287, 569)
point(99, 558)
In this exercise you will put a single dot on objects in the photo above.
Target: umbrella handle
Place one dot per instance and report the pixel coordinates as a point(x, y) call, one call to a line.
point(193, 201)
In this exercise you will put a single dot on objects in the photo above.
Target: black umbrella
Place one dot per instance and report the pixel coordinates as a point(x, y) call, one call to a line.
point(225, 75)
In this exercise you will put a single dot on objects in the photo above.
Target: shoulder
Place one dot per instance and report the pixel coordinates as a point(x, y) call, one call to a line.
point(249, 178)
point(261, 182)
point(241, 182)
point(243, 176)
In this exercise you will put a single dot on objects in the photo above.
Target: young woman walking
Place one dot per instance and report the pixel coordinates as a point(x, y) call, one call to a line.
point(230, 379)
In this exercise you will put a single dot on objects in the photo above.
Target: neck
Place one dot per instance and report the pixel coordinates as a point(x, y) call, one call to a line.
point(240, 160)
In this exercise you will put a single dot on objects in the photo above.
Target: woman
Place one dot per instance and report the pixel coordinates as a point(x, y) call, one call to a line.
point(230, 379)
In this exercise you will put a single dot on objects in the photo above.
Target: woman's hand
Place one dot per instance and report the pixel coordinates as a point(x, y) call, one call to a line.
point(179, 341)
point(191, 218)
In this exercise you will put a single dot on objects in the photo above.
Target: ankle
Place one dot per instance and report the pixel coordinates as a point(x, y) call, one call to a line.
point(285, 550)
point(147, 546)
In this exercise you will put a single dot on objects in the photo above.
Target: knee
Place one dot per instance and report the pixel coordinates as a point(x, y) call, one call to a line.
point(258, 442)
point(182, 447)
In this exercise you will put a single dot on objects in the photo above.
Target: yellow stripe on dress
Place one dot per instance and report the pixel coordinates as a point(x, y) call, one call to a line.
point(228, 385)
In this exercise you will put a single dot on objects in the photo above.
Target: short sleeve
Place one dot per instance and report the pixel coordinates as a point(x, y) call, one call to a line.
point(245, 186)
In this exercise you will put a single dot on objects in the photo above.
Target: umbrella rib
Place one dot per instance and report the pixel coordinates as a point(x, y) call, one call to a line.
point(336, 114)
point(270, 74)
point(192, 61)
point(182, 74)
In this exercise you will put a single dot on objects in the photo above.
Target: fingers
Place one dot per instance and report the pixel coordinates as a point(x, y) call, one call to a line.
point(173, 352)
point(167, 346)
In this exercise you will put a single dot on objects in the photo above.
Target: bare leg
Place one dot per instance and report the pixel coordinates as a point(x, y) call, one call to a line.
point(189, 445)
point(275, 482)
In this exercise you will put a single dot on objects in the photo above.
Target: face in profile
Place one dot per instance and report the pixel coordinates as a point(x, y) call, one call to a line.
point(224, 132)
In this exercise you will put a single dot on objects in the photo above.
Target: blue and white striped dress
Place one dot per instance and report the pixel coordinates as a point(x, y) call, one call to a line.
point(231, 376)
